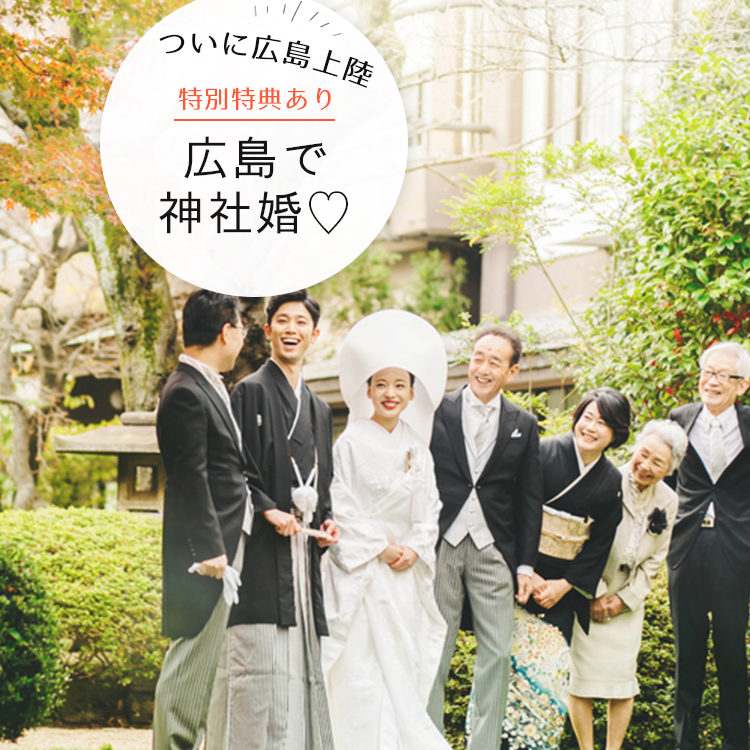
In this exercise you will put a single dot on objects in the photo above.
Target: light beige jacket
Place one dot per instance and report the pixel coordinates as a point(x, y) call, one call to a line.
point(632, 582)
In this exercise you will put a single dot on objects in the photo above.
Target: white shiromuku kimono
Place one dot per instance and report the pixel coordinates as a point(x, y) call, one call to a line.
point(386, 630)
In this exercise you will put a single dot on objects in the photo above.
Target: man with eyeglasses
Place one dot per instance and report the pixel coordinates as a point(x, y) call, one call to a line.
point(709, 556)
point(206, 509)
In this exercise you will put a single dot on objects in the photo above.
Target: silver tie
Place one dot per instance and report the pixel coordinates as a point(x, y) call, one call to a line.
point(717, 458)
point(481, 436)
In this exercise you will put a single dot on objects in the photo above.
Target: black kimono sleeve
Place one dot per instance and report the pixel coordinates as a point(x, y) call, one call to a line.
point(586, 569)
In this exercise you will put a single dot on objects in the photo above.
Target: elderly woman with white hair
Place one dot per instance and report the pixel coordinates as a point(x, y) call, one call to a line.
point(603, 662)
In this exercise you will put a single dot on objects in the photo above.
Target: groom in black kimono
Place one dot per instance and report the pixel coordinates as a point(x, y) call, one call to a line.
point(273, 640)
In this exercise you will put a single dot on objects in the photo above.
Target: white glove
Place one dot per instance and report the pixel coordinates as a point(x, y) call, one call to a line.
point(231, 583)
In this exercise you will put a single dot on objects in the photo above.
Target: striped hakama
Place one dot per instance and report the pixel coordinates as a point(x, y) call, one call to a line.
point(269, 692)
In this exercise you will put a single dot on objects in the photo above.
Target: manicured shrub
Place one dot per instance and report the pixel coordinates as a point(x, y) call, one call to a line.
point(32, 676)
point(103, 571)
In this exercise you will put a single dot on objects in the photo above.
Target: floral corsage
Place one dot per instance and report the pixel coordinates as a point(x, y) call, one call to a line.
point(657, 521)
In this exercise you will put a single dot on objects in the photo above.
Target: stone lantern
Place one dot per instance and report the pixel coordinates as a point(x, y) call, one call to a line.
point(140, 472)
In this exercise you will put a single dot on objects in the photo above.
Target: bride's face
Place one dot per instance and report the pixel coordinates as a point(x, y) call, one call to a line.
point(390, 391)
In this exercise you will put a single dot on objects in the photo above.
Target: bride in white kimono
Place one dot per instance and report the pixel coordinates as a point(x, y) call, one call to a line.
point(386, 632)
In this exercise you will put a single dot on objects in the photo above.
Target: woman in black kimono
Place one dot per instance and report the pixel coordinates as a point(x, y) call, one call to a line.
point(579, 480)
point(583, 499)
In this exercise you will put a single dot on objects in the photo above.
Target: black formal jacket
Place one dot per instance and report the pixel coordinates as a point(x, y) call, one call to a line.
point(730, 496)
point(204, 501)
point(509, 488)
point(261, 404)
point(598, 495)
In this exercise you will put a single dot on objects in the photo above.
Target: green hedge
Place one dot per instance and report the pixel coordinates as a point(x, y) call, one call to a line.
point(32, 676)
point(103, 572)
point(651, 725)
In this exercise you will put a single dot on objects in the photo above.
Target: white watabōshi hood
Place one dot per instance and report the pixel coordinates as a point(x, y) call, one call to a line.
point(394, 338)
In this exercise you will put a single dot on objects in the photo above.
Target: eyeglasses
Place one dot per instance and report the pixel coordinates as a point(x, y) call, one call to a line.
point(242, 329)
point(722, 377)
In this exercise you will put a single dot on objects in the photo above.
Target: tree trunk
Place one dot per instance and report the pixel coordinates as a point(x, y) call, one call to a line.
point(140, 309)
point(19, 468)
point(254, 351)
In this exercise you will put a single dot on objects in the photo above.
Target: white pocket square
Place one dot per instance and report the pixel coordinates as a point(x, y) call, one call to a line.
point(516, 433)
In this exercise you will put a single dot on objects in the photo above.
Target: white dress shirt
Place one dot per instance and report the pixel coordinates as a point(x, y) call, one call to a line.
point(732, 439)
point(730, 428)
point(470, 520)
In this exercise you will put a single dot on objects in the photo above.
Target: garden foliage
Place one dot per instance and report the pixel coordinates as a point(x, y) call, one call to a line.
point(103, 577)
point(651, 726)
point(67, 479)
point(103, 573)
point(436, 293)
point(674, 201)
point(683, 272)
point(32, 676)
point(368, 284)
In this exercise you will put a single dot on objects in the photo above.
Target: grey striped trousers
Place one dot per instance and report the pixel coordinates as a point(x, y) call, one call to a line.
point(484, 577)
point(183, 692)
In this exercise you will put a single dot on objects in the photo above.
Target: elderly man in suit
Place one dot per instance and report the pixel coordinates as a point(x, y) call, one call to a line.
point(206, 506)
point(709, 557)
point(486, 453)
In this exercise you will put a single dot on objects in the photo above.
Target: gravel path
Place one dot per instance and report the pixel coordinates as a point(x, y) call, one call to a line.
point(54, 738)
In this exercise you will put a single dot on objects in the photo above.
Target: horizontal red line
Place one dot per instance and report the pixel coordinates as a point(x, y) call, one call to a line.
point(255, 119)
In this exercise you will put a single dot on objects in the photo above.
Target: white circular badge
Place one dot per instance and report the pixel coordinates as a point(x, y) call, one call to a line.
point(253, 148)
